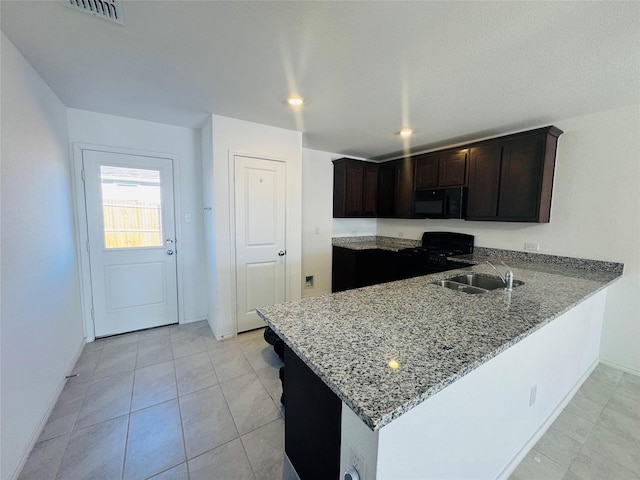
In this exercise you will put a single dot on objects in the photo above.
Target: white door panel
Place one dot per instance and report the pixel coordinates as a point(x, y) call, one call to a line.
point(118, 281)
point(131, 229)
point(260, 237)
point(261, 290)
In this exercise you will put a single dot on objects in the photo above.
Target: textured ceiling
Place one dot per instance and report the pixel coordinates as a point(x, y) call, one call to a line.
point(451, 70)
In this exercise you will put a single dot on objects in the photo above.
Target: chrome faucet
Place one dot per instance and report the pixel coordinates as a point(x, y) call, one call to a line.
point(507, 278)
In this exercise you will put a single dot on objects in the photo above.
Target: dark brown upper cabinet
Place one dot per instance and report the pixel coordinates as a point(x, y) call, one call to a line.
point(484, 181)
point(403, 194)
point(386, 190)
point(355, 188)
point(441, 169)
point(395, 189)
point(511, 178)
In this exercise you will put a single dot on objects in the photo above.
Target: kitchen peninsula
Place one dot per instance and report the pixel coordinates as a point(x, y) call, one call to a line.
point(437, 383)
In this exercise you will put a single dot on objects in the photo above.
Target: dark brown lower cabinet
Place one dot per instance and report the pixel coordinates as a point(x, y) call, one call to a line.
point(361, 268)
point(313, 415)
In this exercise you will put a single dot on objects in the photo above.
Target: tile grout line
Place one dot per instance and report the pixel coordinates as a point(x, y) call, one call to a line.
point(133, 385)
point(184, 442)
point(591, 428)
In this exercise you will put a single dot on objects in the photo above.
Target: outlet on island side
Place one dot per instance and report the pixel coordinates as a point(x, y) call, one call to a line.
point(532, 395)
point(357, 463)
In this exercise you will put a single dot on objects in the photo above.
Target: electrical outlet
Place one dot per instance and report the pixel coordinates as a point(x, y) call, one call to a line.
point(531, 246)
point(317, 230)
point(357, 462)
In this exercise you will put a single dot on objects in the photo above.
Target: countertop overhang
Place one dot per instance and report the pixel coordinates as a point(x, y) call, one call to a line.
point(386, 348)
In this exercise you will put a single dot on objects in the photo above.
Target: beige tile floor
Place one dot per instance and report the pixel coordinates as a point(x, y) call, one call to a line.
point(596, 437)
point(170, 403)
point(174, 404)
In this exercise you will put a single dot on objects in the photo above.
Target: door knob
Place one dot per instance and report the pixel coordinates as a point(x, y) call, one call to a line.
point(169, 252)
point(282, 253)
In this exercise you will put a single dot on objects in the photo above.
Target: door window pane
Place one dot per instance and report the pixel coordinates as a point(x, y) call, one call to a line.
point(131, 206)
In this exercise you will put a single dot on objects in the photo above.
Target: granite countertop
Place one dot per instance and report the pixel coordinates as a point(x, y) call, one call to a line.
point(374, 242)
point(432, 335)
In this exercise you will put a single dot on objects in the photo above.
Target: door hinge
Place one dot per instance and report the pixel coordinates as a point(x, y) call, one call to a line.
point(82, 174)
point(88, 246)
point(92, 314)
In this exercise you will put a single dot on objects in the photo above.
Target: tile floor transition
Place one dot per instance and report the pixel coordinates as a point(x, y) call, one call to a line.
point(172, 403)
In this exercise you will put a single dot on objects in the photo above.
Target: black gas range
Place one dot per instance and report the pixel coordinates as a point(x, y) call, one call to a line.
point(432, 255)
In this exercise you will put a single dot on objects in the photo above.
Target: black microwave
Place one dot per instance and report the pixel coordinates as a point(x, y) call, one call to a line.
point(439, 203)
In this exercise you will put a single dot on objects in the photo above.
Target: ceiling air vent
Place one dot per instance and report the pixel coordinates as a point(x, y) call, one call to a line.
point(107, 9)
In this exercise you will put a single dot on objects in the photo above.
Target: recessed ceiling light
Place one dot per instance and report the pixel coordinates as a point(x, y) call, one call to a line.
point(405, 132)
point(295, 101)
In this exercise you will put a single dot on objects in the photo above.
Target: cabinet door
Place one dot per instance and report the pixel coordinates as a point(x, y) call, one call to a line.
point(343, 269)
point(404, 188)
point(452, 169)
point(353, 192)
point(520, 179)
point(312, 432)
point(386, 190)
point(427, 171)
point(484, 181)
point(370, 191)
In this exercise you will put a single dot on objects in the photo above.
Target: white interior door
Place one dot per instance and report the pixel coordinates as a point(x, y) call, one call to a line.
point(131, 228)
point(260, 237)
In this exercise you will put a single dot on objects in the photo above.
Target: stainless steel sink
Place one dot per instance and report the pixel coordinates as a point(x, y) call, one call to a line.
point(480, 281)
point(473, 283)
point(461, 287)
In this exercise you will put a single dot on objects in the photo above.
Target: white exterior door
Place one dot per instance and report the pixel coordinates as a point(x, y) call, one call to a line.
point(131, 230)
point(260, 199)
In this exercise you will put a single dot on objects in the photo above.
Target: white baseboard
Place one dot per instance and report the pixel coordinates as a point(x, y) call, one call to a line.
point(193, 320)
point(620, 367)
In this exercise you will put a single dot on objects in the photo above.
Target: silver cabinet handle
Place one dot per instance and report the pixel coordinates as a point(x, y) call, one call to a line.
point(169, 252)
point(282, 253)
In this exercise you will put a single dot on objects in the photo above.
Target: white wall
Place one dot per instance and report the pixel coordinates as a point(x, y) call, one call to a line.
point(184, 143)
point(41, 329)
point(211, 285)
point(228, 137)
point(318, 226)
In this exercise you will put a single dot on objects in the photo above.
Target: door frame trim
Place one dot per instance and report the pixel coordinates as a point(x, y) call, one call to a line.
point(232, 154)
point(82, 235)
